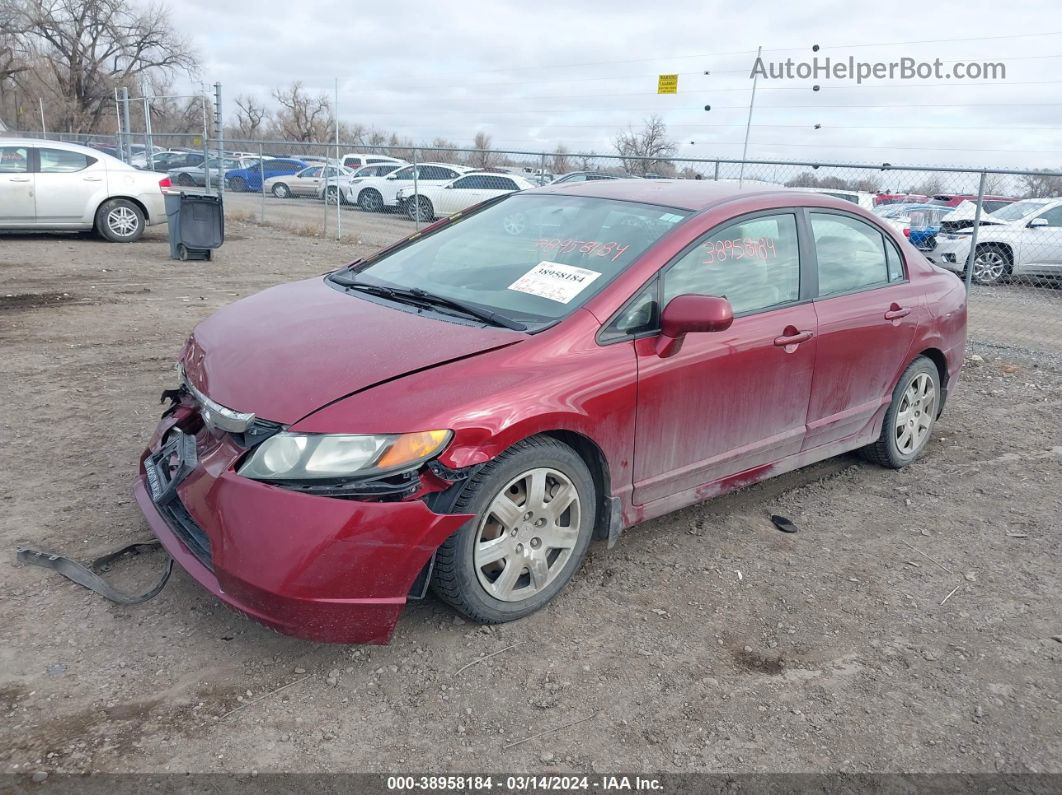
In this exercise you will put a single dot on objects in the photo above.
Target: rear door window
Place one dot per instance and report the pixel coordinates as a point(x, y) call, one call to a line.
point(851, 253)
point(60, 161)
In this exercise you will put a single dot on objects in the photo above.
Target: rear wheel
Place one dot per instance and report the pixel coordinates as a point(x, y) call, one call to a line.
point(534, 516)
point(991, 265)
point(120, 221)
point(370, 200)
point(908, 423)
point(281, 191)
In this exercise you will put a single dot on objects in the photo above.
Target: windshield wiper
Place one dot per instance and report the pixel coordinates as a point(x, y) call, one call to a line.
point(423, 297)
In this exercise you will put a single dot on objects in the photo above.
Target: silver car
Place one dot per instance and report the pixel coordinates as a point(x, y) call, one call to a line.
point(195, 176)
point(54, 186)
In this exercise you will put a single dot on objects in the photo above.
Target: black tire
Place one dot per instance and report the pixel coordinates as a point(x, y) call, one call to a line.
point(420, 208)
point(238, 184)
point(182, 252)
point(370, 200)
point(185, 180)
point(281, 191)
point(886, 451)
point(120, 221)
point(992, 264)
point(454, 578)
point(330, 195)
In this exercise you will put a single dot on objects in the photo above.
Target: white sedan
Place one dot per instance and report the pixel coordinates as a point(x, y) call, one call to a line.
point(428, 202)
point(379, 193)
point(54, 186)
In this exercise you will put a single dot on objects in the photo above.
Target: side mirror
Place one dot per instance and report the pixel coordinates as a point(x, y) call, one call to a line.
point(1037, 222)
point(686, 314)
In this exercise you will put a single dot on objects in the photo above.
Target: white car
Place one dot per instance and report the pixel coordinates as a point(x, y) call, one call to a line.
point(350, 178)
point(355, 160)
point(1022, 238)
point(429, 202)
point(379, 193)
point(53, 186)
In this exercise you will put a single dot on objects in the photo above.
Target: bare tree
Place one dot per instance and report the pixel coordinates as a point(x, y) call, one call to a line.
point(443, 156)
point(303, 117)
point(930, 186)
point(1040, 185)
point(561, 161)
point(251, 116)
point(647, 150)
point(586, 161)
point(80, 50)
point(483, 157)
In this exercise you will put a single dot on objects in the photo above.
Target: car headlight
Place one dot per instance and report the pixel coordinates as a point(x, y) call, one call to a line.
point(316, 456)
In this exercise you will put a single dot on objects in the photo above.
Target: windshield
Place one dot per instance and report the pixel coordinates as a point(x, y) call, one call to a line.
point(533, 258)
point(1012, 212)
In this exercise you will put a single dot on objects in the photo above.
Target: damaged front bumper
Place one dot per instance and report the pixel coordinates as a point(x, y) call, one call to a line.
point(323, 568)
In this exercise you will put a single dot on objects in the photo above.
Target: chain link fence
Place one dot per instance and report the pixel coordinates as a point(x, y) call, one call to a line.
point(1000, 231)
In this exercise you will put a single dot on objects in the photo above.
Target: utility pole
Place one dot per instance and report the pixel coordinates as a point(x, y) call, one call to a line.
point(219, 134)
point(748, 123)
point(127, 129)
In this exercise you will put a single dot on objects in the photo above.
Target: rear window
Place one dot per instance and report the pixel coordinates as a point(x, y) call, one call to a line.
point(61, 161)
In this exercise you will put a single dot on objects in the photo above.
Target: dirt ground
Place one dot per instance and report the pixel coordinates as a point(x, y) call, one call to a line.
point(912, 624)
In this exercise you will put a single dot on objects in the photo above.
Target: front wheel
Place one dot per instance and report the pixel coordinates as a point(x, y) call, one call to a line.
point(534, 509)
point(420, 208)
point(185, 180)
point(281, 191)
point(908, 424)
point(239, 185)
point(991, 265)
point(331, 194)
point(120, 221)
point(370, 200)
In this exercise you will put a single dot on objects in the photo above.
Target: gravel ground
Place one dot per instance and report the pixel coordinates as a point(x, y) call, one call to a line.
point(912, 624)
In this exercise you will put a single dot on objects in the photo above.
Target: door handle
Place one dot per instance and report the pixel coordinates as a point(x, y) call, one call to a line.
point(20, 179)
point(793, 339)
point(92, 179)
point(896, 312)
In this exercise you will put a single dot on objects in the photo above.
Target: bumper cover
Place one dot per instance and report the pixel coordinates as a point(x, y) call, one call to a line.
point(319, 568)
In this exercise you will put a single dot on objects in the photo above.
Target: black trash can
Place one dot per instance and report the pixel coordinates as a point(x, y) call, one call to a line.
point(197, 224)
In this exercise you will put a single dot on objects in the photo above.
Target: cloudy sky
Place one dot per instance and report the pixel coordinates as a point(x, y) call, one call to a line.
point(535, 74)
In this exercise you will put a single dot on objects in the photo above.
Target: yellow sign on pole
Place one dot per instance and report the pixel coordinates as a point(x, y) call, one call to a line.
point(197, 141)
point(667, 84)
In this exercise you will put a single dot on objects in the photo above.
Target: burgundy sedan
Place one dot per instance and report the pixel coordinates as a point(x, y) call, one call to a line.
point(465, 410)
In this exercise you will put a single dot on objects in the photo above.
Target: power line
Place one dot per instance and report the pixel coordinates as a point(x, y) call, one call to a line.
point(767, 49)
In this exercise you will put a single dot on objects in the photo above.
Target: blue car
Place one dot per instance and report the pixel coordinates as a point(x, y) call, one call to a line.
point(251, 177)
point(920, 223)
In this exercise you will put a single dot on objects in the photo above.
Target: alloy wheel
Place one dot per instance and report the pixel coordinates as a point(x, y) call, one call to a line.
point(122, 221)
point(527, 534)
point(916, 413)
point(989, 266)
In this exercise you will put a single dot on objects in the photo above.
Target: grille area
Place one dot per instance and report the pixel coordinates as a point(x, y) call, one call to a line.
point(185, 528)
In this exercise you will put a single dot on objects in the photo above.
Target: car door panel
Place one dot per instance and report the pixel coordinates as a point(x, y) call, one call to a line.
point(861, 344)
point(67, 198)
point(733, 400)
point(727, 402)
point(865, 334)
point(17, 206)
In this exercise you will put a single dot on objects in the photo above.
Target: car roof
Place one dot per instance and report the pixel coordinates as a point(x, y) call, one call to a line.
point(687, 194)
point(50, 144)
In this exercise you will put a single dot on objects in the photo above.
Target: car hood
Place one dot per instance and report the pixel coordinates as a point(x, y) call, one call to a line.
point(292, 349)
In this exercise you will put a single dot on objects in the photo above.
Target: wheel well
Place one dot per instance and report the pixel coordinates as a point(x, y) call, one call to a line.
point(130, 199)
point(596, 462)
point(1004, 247)
point(936, 356)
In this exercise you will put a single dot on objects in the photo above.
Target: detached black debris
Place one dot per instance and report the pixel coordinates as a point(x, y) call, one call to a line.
point(783, 524)
point(89, 576)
